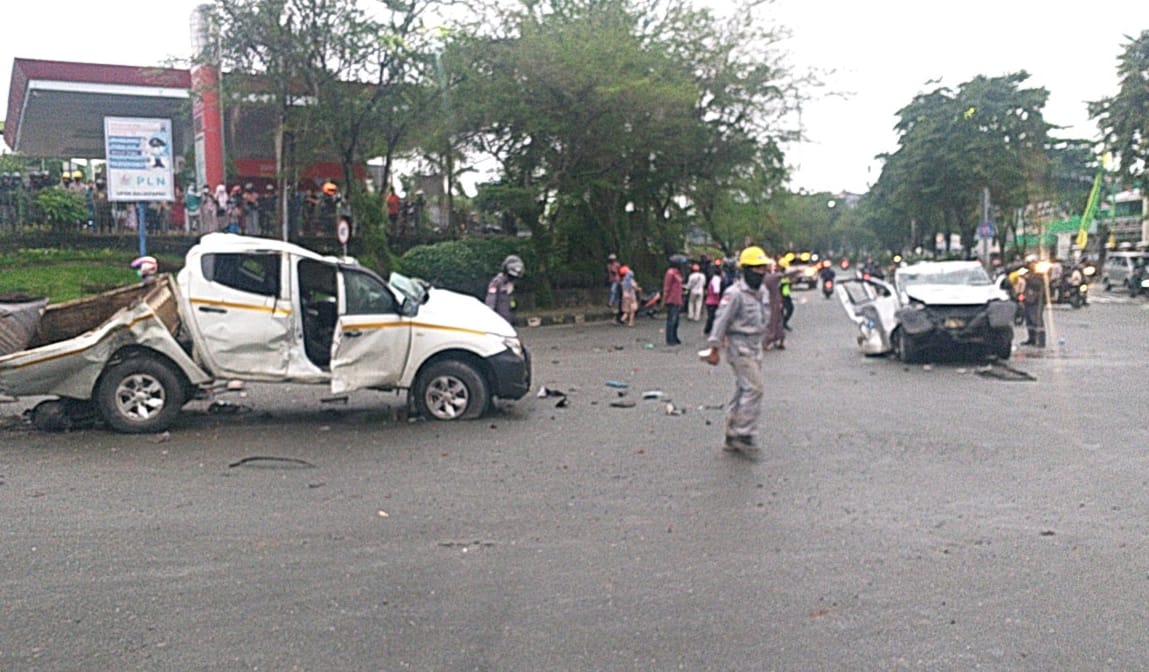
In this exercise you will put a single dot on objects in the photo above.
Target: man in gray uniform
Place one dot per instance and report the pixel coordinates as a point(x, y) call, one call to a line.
point(740, 325)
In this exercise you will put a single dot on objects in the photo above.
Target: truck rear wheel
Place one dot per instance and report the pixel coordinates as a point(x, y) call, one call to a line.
point(451, 390)
point(139, 395)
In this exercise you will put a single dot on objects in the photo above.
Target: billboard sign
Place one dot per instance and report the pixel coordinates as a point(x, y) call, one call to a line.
point(139, 154)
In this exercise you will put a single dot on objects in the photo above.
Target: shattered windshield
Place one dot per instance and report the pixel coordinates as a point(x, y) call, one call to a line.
point(413, 289)
point(966, 275)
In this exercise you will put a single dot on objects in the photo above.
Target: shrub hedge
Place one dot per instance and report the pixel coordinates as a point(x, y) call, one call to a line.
point(466, 265)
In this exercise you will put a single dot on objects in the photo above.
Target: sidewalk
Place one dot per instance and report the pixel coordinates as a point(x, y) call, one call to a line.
point(569, 315)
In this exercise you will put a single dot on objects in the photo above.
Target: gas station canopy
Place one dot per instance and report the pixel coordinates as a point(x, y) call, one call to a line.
point(57, 109)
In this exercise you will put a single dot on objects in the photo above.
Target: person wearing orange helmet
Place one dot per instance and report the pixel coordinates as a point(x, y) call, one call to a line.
point(630, 290)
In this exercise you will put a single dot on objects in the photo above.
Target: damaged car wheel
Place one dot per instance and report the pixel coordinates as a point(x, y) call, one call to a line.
point(451, 390)
point(904, 347)
point(139, 395)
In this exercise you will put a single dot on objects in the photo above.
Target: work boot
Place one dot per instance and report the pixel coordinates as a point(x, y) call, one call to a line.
point(741, 444)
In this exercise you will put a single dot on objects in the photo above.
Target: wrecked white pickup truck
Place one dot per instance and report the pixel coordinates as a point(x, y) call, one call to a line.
point(253, 309)
point(932, 307)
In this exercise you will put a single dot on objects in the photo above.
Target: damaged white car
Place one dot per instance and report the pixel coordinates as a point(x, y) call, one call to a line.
point(932, 309)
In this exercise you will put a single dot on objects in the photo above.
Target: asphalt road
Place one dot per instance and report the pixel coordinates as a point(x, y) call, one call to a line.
point(941, 517)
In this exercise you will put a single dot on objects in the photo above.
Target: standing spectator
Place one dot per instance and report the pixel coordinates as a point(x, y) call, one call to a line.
point(629, 290)
point(208, 210)
point(267, 211)
point(250, 210)
point(672, 297)
point(310, 207)
point(193, 202)
point(179, 211)
point(394, 205)
point(612, 281)
point(740, 327)
point(220, 205)
point(90, 204)
point(713, 295)
point(695, 289)
point(235, 211)
point(1035, 293)
point(502, 286)
point(328, 206)
point(772, 285)
point(787, 300)
point(729, 274)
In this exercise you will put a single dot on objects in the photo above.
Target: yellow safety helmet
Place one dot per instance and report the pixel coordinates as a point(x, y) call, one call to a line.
point(753, 256)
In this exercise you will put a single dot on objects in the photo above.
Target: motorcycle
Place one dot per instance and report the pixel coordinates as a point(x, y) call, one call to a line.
point(1067, 291)
point(1073, 286)
point(648, 304)
point(827, 287)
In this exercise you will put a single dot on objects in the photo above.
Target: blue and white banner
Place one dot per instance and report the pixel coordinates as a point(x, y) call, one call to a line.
point(139, 154)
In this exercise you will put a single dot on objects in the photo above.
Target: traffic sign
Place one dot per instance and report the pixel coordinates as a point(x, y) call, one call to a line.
point(343, 231)
point(985, 230)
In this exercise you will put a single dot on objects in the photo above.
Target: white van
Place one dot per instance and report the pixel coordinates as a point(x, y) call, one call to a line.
point(1119, 268)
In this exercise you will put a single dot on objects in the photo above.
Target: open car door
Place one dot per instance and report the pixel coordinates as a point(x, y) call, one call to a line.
point(871, 304)
point(372, 338)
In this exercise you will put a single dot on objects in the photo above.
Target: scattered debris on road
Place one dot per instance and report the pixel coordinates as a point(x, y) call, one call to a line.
point(1002, 371)
point(266, 462)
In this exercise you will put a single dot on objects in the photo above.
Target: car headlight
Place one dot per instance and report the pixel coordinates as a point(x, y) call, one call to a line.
point(514, 345)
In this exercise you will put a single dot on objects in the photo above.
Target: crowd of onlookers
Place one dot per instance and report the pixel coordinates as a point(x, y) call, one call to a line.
point(250, 207)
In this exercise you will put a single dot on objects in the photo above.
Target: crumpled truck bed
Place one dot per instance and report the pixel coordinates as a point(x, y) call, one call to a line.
point(74, 340)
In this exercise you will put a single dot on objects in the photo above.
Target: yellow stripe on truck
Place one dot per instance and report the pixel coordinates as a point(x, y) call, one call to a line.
point(414, 325)
point(273, 310)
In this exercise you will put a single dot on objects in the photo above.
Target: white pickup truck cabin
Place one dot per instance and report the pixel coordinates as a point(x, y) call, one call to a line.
point(260, 310)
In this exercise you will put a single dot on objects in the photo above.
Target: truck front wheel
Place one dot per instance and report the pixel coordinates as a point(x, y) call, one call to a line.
point(905, 348)
point(450, 390)
point(139, 395)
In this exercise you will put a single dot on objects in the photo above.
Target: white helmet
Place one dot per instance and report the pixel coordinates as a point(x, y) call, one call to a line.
point(513, 266)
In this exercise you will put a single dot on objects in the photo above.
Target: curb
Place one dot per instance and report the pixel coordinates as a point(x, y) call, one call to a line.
point(573, 317)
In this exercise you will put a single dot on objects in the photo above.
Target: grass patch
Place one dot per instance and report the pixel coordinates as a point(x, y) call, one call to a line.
point(63, 275)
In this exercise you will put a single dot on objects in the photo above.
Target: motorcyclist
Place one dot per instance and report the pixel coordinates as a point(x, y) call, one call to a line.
point(502, 286)
point(827, 275)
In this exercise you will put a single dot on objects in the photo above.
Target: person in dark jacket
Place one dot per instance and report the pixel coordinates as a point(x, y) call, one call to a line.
point(1035, 293)
point(502, 286)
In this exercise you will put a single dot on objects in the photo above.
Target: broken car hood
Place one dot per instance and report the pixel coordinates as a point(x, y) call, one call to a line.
point(448, 309)
point(954, 295)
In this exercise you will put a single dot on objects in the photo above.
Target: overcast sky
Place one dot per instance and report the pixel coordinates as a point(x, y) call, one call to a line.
point(881, 52)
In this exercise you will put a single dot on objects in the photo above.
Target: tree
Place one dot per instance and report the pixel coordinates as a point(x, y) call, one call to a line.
point(334, 75)
point(622, 124)
point(990, 133)
point(1123, 119)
